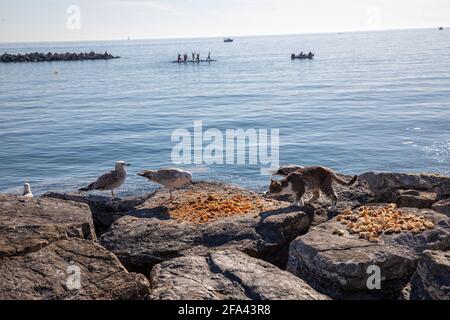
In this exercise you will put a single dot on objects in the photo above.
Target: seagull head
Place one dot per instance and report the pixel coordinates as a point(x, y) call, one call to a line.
point(26, 187)
point(121, 165)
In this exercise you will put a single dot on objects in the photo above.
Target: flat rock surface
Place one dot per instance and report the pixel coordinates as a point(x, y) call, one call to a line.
point(149, 235)
point(69, 269)
point(27, 225)
point(226, 275)
point(337, 265)
point(431, 281)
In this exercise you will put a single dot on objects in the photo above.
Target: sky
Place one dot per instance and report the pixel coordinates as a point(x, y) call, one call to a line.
point(74, 20)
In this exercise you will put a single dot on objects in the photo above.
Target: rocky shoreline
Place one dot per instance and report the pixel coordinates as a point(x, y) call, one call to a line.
point(47, 57)
point(132, 248)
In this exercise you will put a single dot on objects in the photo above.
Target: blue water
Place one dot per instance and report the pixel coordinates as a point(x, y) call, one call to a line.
point(368, 101)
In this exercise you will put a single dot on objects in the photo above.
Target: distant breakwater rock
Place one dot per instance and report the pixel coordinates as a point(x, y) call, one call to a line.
point(143, 247)
point(47, 57)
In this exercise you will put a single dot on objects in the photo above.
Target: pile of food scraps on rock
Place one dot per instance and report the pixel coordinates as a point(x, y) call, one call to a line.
point(209, 207)
point(370, 222)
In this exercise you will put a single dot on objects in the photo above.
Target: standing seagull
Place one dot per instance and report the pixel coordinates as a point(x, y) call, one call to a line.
point(111, 180)
point(27, 191)
point(170, 178)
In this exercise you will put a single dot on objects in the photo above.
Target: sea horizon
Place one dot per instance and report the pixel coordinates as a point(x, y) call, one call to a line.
point(223, 36)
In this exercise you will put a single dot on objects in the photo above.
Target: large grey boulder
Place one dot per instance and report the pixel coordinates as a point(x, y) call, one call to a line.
point(386, 185)
point(105, 210)
point(415, 199)
point(442, 206)
point(69, 269)
point(226, 275)
point(27, 225)
point(339, 264)
point(149, 235)
point(431, 281)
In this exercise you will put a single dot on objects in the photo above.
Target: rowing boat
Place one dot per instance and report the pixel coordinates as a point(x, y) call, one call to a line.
point(194, 61)
point(293, 57)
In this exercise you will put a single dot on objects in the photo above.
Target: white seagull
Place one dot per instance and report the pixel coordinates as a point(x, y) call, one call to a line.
point(109, 181)
point(170, 178)
point(27, 191)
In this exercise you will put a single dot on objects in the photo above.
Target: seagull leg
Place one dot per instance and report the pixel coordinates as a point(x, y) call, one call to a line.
point(112, 192)
point(168, 200)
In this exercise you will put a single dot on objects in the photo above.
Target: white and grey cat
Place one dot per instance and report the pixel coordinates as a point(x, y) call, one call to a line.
point(315, 179)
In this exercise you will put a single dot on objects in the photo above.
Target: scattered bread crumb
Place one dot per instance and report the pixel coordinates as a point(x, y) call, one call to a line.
point(338, 232)
point(210, 207)
point(370, 222)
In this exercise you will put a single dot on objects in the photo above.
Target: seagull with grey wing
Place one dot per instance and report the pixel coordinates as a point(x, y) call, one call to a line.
point(170, 178)
point(27, 191)
point(111, 180)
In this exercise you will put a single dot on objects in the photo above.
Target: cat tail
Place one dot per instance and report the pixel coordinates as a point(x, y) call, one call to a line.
point(342, 182)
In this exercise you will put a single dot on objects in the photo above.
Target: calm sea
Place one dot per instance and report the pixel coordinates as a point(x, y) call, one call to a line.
point(368, 101)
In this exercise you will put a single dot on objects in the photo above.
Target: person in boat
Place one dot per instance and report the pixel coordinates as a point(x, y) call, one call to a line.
point(193, 56)
point(209, 56)
point(301, 54)
point(179, 58)
point(185, 57)
point(198, 57)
